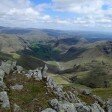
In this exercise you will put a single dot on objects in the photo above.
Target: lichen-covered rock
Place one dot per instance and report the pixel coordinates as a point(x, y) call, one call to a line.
point(37, 74)
point(48, 110)
point(80, 107)
point(98, 99)
point(86, 91)
point(5, 100)
point(29, 74)
point(109, 105)
point(54, 103)
point(19, 69)
point(44, 71)
point(62, 106)
point(6, 67)
point(58, 90)
point(2, 85)
point(96, 108)
point(14, 65)
point(2, 74)
point(17, 108)
point(71, 97)
point(66, 107)
point(17, 87)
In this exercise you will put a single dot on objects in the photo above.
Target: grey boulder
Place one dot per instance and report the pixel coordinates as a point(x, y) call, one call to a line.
point(48, 110)
point(17, 87)
point(2, 74)
point(5, 100)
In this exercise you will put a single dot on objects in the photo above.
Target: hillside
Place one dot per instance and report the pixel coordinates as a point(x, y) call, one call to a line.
point(35, 90)
point(74, 61)
point(11, 44)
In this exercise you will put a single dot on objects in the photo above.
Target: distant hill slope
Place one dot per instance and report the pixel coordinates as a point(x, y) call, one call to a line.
point(33, 34)
point(101, 51)
point(67, 47)
point(9, 44)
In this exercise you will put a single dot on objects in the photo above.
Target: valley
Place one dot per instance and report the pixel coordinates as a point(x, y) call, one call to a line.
point(73, 60)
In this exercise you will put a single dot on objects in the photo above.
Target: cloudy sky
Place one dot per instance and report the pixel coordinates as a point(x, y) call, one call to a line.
point(57, 14)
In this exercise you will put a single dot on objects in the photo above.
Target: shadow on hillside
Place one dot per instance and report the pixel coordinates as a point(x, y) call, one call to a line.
point(50, 55)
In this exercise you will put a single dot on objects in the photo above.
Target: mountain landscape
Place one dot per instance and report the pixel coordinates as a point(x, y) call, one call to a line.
point(36, 63)
point(56, 56)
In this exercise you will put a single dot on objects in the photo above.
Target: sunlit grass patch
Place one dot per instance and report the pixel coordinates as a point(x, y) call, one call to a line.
point(59, 79)
point(104, 93)
point(15, 55)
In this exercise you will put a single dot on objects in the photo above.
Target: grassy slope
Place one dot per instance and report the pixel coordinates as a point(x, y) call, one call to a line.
point(104, 93)
point(87, 57)
point(29, 62)
point(32, 97)
point(59, 79)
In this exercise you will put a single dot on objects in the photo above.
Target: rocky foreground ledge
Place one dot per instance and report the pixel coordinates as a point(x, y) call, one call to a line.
point(64, 101)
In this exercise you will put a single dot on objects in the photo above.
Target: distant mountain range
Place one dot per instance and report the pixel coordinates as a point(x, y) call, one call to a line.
point(55, 45)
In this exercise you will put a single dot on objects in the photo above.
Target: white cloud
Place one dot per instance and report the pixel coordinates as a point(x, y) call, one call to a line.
point(87, 13)
point(21, 11)
point(78, 6)
point(63, 22)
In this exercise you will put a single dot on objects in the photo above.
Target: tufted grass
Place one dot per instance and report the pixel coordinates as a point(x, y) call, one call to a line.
point(104, 93)
point(33, 97)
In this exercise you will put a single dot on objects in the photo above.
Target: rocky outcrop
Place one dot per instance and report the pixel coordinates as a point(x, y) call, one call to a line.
point(44, 71)
point(5, 69)
point(56, 88)
point(109, 105)
point(67, 101)
point(17, 87)
point(49, 110)
point(61, 106)
point(86, 91)
point(8, 66)
point(17, 108)
point(2, 85)
point(19, 69)
point(35, 73)
point(64, 106)
point(2, 74)
point(4, 99)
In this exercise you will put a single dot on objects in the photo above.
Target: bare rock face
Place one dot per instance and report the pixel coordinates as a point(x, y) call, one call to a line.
point(17, 87)
point(5, 100)
point(48, 110)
